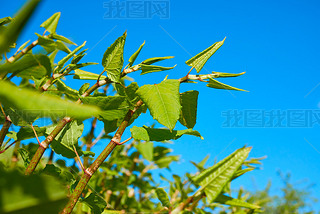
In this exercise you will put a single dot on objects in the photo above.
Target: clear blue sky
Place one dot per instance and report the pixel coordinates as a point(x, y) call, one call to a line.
point(275, 42)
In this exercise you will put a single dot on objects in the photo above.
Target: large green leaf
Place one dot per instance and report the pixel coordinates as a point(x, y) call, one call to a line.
point(156, 59)
point(218, 85)
point(10, 34)
point(135, 55)
point(146, 150)
point(51, 24)
point(30, 194)
point(40, 105)
point(29, 66)
point(129, 92)
point(95, 202)
point(200, 59)
point(189, 102)
point(68, 137)
point(223, 199)
point(85, 75)
point(163, 101)
point(151, 134)
point(163, 197)
point(153, 68)
point(214, 179)
point(112, 60)
point(112, 108)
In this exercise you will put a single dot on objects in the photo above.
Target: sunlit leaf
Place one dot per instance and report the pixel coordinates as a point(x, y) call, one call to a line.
point(163, 101)
point(223, 199)
point(153, 68)
point(51, 24)
point(151, 134)
point(112, 60)
point(213, 179)
point(163, 197)
point(146, 150)
point(200, 59)
point(155, 59)
point(189, 103)
point(36, 104)
point(85, 75)
point(218, 85)
point(134, 56)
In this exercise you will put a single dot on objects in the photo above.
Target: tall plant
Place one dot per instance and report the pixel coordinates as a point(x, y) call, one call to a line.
point(44, 92)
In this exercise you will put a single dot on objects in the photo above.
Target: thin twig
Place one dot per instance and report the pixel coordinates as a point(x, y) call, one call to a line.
point(3, 111)
point(79, 160)
point(35, 133)
point(8, 147)
point(123, 142)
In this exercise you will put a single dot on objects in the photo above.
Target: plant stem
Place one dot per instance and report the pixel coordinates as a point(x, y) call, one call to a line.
point(4, 129)
point(22, 52)
point(100, 159)
point(45, 144)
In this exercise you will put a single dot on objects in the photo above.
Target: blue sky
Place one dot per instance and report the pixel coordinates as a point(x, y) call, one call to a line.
point(275, 42)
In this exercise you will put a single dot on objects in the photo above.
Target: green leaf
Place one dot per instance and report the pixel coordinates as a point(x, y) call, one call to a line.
point(213, 179)
point(163, 101)
point(166, 161)
point(223, 199)
point(219, 74)
point(47, 43)
point(72, 94)
point(62, 38)
point(200, 165)
point(146, 150)
point(29, 66)
point(40, 105)
point(129, 92)
point(112, 60)
point(30, 194)
point(218, 85)
point(51, 24)
point(153, 68)
point(61, 46)
point(85, 75)
point(112, 108)
point(135, 55)
point(26, 132)
point(68, 137)
point(95, 202)
point(66, 58)
point(200, 59)
point(163, 197)
point(25, 156)
point(9, 35)
point(189, 102)
point(5, 20)
point(151, 134)
point(155, 59)
point(84, 88)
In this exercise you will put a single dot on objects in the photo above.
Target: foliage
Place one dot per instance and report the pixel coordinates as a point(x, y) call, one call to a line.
point(34, 87)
